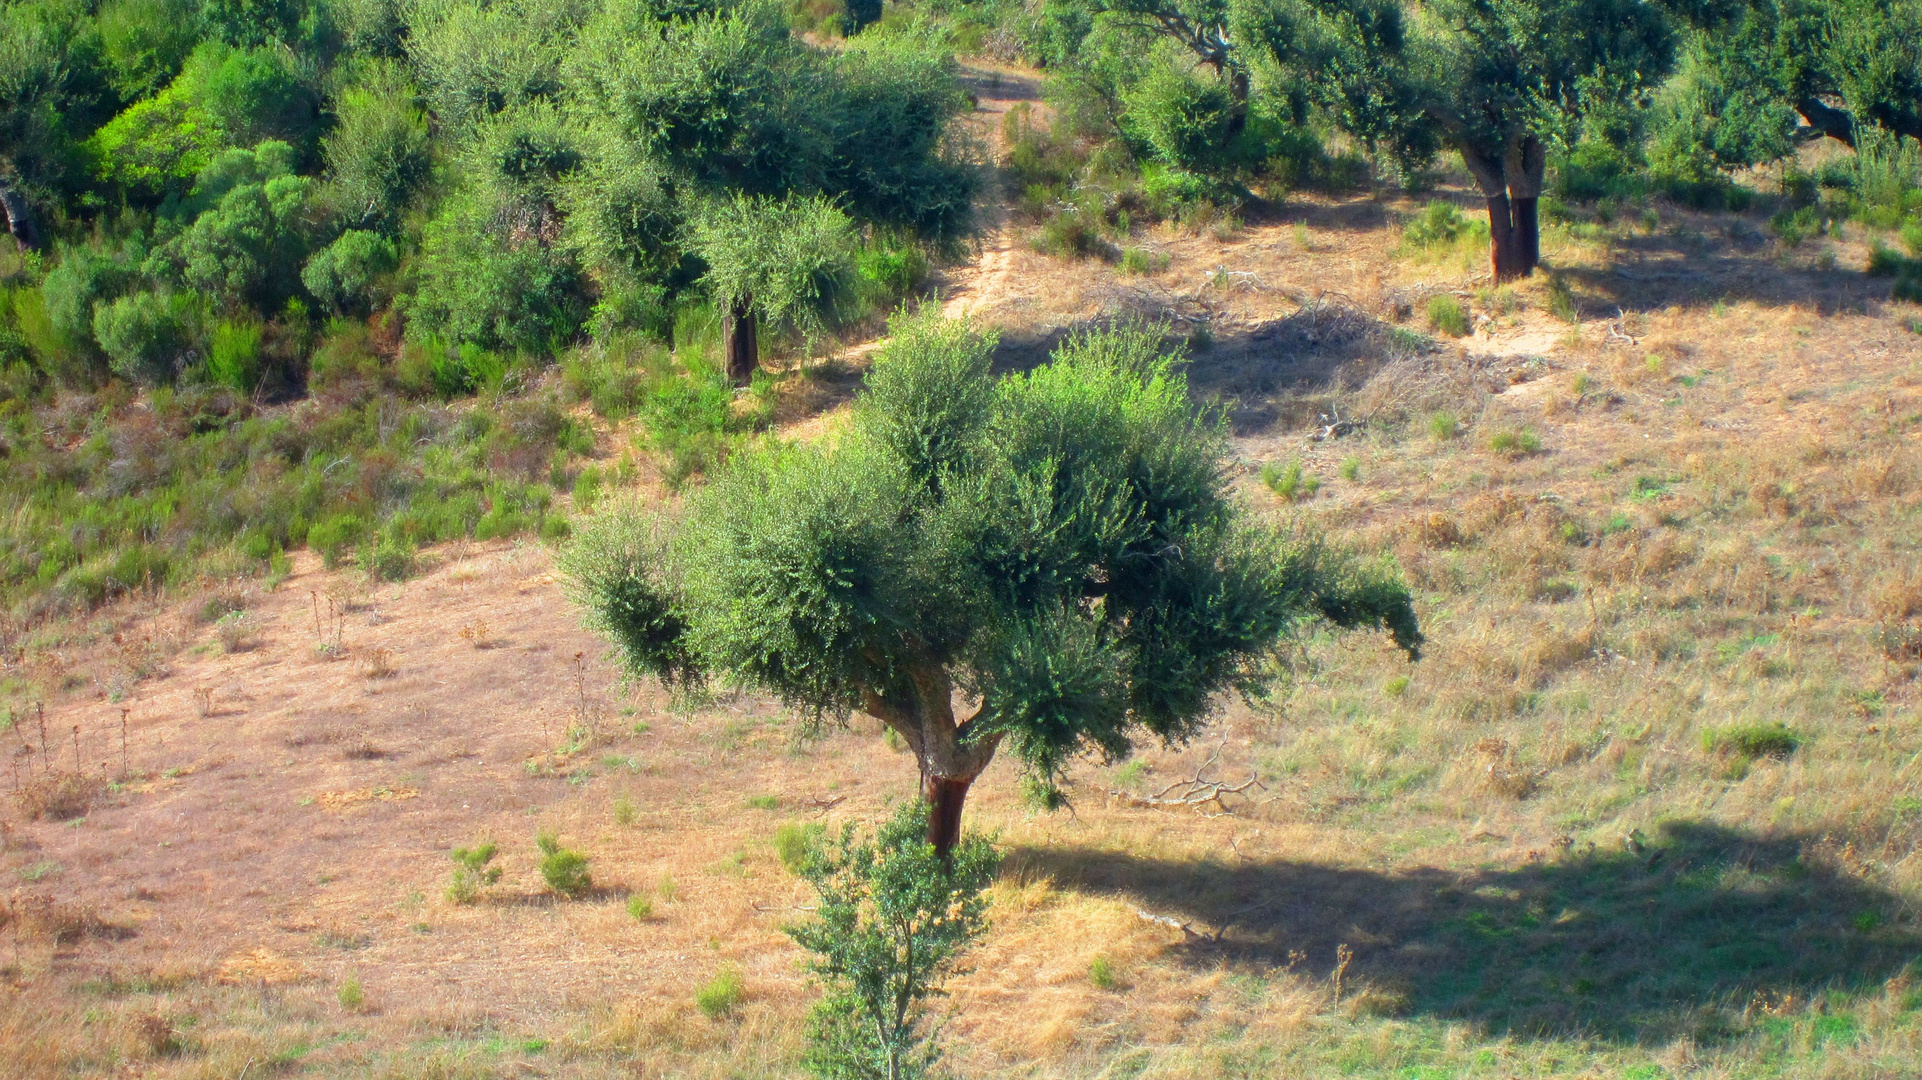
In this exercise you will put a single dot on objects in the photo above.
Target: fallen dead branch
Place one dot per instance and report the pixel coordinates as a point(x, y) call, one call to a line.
point(1196, 792)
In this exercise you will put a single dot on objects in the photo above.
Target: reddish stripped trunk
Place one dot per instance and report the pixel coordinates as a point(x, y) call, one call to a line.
point(1504, 252)
point(945, 797)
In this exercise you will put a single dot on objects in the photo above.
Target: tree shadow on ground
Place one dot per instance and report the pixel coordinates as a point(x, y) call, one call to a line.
point(1645, 947)
point(1275, 374)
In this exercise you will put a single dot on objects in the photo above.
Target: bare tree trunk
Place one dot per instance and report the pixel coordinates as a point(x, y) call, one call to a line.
point(1238, 94)
point(739, 344)
point(1491, 175)
point(1524, 176)
point(946, 796)
point(19, 216)
point(1504, 255)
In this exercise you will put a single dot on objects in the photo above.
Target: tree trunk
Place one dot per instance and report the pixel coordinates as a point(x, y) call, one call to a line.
point(738, 341)
point(945, 797)
point(1504, 254)
point(19, 216)
point(1237, 78)
point(1524, 175)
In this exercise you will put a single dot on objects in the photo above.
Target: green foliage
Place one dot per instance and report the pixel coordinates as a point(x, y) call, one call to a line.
point(1184, 118)
point(564, 869)
point(233, 355)
point(794, 843)
point(1289, 481)
point(789, 260)
point(1101, 974)
point(146, 335)
point(378, 153)
point(893, 918)
point(720, 996)
point(351, 995)
point(640, 908)
point(472, 872)
point(959, 535)
point(1753, 741)
point(1441, 224)
point(223, 97)
point(1447, 316)
point(480, 286)
point(334, 537)
point(146, 42)
point(244, 247)
point(346, 274)
point(1516, 442)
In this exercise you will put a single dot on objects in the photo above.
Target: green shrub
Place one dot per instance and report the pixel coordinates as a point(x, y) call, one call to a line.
point(1289, 481)
point(1351, 469)
point(1753, 741)
point(378, 153)
point(1138, 261)
point(386, 557)
point(1907, 287)
point(1181, 117)
point(1912, 237)
point(564, 869)
point(1515, 442)
point(640, 908)
point(335, 536)
point(233, 355)
point(351, 995)
point(1885, 261)
point(892, 920)
point(1101, 974)
point(1447, 316)
point(472, 872)
point(146, 336)
point(474, 288)
point(722, 994)
point(1443, 426)
point(1440, 223)
point(794, 841)
point(145, 42)
point(343, 274)
point(1561, 300)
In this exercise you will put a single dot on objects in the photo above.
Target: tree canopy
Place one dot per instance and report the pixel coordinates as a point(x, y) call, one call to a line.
point(1058, 550)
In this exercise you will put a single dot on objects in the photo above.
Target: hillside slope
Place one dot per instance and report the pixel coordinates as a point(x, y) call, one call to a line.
point(1648, 807)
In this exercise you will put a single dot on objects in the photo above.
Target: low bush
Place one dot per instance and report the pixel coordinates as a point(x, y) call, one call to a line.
point(720, 996)
point(1753, 741)
point(1447, 316)
point(1515, 442)
point(472, 872)
point(794, 841)
point(564, 869)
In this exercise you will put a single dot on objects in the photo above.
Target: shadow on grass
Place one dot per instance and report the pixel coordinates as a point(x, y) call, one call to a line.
point(1637, 948)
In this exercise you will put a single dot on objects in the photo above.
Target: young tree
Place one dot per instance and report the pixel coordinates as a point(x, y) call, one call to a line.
point(1057, 554)
point(772, 261)
point(893, 917)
